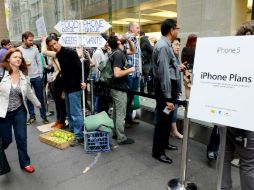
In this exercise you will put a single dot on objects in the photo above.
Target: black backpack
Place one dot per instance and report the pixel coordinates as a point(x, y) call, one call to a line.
point(2, 71)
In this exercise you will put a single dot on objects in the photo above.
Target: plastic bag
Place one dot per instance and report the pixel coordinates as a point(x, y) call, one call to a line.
point(135, 103)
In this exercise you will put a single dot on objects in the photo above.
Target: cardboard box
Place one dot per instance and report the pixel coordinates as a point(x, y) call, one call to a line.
point(55, 138)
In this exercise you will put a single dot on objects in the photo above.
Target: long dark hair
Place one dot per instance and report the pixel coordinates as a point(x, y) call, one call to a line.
point(191, 41)
point(6, 61)
point(246, 28)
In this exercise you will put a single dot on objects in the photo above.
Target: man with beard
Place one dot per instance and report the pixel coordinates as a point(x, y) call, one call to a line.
point(33, 61)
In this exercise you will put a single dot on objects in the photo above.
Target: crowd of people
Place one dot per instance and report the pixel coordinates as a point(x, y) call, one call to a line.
point(61, 66)
point(132, 59)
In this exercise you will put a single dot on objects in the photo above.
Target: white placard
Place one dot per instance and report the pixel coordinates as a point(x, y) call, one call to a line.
point(93, 40)
point(41, 27)
point(223, 90)
point(69, 26)
point(87, 40)
point(71, 40)
point(82, 26)
point(95, 26)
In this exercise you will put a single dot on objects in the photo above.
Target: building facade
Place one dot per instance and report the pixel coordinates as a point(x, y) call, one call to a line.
point(3, 31)
point(203, 17)
point(24, 13)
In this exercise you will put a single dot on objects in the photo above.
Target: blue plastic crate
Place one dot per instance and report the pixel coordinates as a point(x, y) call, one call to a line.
point(96, 141)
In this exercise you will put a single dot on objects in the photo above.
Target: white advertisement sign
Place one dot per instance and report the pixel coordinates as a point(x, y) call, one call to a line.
point(41, 27)
point(87, 40)
point(82, 26)
point(223, 83)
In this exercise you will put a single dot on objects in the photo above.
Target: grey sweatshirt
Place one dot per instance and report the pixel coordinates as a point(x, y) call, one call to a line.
point(32, 54)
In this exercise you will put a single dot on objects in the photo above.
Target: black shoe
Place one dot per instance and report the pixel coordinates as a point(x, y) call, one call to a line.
point(163, 158)
point(171, 147)
point(77, 142)
point(30, 120)
point(127, 125)
point(114, 137)
point(132, 122)
point(127, 141)
point(45, 121)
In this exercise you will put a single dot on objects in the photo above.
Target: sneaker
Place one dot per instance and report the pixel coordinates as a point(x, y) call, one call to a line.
point(211, 155)
point(30, 120)
point(127, 141)
point(49, 113)
point(45, 121)
point(77, 142)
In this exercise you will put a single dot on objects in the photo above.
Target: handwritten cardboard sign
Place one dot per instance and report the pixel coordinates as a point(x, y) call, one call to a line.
point(41, 27)
point(82, 26)
point(87, 40)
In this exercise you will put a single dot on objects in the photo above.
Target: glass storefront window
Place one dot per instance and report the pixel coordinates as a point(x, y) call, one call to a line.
point(193, 17)
point(148, 13)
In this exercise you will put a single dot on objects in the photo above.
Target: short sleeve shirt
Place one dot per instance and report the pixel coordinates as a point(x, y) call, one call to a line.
point(118, 59)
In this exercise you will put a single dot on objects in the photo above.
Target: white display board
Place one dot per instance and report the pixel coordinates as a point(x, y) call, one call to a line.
point(41, 27)
point(223, 90)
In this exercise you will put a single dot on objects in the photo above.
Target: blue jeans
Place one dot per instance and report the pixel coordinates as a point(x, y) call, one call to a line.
point(133, 84)
point(74, 113)
point(37, 85)
point(17, 120)
point(174, 116)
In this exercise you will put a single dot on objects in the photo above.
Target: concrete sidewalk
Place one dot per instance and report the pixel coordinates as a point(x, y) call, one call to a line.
point(126, 167)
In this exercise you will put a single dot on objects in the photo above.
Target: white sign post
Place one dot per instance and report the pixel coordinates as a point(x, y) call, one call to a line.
point(41, 27)
point(223, 85)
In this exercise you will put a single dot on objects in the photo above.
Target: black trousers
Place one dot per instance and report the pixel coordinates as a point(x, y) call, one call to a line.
point(214, 141)
point(245, 151)
point(56, 89)
point(162, 121)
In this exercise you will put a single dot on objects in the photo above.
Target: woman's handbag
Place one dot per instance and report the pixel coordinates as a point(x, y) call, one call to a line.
point(4, 165)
